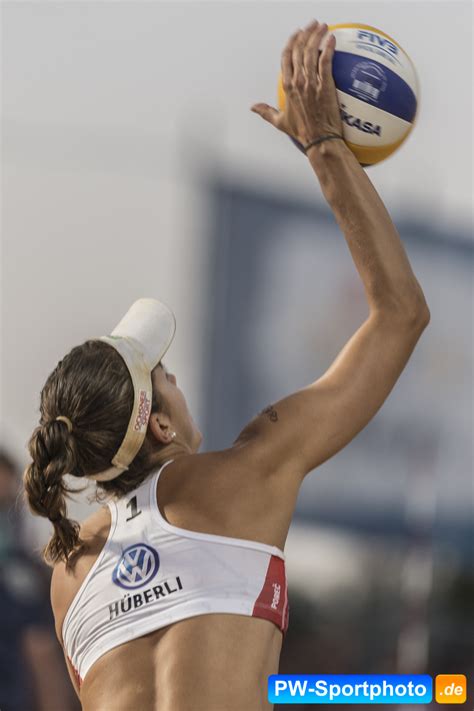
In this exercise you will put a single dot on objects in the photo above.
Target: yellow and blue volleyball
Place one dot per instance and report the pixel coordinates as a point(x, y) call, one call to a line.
point(377, 89)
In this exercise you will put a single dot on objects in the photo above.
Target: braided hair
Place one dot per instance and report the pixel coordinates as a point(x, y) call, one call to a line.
point(93, 389)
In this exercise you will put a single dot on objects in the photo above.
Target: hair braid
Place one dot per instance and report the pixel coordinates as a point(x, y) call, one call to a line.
point(92, 387)
point(52, 450)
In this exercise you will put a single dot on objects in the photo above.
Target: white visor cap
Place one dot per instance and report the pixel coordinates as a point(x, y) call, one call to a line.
point(142, 338)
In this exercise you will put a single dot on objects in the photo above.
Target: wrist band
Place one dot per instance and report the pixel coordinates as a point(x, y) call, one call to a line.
point(320, 140)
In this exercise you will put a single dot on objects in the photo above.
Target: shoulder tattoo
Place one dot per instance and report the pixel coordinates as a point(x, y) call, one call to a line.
point(271, 413)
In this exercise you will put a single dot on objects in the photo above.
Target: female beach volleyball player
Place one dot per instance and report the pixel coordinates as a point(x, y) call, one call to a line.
point(173, 596)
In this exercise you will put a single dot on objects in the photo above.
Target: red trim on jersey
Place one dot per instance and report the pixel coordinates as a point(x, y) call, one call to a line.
point(272, 603)
point(76, 673)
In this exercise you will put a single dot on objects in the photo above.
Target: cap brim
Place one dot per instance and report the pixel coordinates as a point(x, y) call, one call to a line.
point(151, 325)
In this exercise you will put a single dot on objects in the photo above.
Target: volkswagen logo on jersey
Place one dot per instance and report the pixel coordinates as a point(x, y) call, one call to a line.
point(137, 566)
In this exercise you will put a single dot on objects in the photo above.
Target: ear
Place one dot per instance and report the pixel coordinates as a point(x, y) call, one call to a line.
point(161, 428)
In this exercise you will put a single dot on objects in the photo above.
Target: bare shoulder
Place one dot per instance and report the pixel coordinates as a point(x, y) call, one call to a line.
point(226, 493)
point(213, 475)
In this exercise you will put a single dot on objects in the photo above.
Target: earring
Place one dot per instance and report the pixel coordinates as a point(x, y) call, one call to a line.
point(173, 435)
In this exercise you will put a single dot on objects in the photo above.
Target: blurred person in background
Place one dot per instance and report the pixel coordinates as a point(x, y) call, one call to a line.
point(32, 677)
point(213, 524)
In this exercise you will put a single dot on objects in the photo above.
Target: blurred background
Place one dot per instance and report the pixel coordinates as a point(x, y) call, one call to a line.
point(132, 166)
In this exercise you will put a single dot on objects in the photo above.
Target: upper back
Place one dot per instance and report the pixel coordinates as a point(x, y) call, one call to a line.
point(131, 541)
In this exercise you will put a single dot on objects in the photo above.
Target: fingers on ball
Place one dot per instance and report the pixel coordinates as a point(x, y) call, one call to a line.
point(312, 26)
point(311, 57)
point(287, 62)
point(325, 61)
point(310, 43)
point(286, 69)
point(299, 58)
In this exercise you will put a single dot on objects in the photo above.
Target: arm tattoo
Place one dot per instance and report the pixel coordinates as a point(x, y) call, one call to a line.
point(271, 413)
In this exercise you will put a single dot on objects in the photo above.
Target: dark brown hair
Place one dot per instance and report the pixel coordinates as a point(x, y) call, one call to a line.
point(93, 388)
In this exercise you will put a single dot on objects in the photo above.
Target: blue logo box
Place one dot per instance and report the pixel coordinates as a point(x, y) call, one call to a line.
point(350, 689)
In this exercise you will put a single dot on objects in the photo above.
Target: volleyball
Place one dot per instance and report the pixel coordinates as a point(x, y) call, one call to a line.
point(377, 89)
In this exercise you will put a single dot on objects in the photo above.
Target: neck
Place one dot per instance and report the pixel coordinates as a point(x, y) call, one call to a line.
point(171, 451)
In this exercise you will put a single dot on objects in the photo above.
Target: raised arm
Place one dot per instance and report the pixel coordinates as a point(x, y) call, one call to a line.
point(298, 433)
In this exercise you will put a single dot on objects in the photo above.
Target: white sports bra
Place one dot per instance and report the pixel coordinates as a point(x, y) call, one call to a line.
point(151, 574)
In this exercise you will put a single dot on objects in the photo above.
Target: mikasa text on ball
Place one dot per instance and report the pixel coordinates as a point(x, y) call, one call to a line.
point(377, 89)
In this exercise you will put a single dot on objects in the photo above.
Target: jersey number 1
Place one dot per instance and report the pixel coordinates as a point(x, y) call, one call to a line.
point(134, 512)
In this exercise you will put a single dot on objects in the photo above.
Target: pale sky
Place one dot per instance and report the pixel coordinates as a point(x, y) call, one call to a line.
point(161, 67)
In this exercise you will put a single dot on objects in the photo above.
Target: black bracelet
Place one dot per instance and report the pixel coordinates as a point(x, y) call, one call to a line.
point(320, 140)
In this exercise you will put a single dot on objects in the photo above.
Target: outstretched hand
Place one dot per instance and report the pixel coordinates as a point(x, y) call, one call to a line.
point(311, 106)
